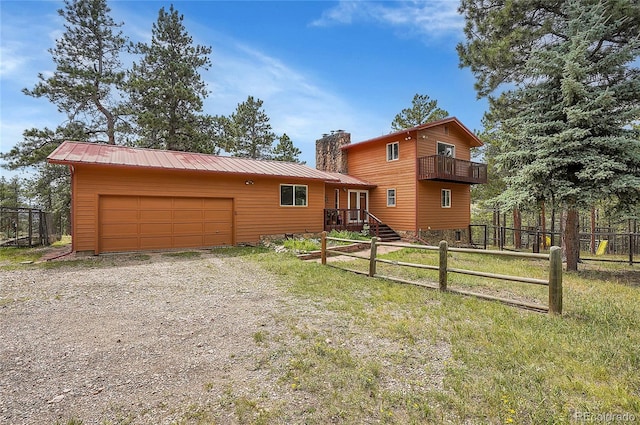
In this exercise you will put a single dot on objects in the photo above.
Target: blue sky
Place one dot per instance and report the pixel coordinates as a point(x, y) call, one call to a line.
point(317, 65)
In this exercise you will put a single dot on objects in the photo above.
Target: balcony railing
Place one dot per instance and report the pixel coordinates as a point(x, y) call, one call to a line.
point(344, 219)
point(445, 168)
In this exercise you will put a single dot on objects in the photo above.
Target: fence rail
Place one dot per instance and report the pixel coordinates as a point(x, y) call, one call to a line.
point(533, 238)
point(554, 282)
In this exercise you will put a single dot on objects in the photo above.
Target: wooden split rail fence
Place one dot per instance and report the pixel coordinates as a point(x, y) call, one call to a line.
point(554, 282)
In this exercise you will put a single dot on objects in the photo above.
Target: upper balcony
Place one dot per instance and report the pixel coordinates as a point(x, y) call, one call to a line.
point(446, 168)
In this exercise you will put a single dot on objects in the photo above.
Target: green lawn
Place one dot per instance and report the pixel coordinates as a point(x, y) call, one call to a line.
point(506, 366)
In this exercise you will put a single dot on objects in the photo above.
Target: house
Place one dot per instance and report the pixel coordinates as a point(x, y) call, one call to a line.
point(420, 179)
point(132, 199)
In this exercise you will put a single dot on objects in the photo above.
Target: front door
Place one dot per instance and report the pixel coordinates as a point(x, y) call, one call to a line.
point(357, 205)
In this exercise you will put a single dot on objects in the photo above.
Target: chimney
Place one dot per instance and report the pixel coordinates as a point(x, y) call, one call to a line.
point(329, 156)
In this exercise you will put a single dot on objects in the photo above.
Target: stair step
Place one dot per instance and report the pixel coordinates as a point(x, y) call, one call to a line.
point(387, 234)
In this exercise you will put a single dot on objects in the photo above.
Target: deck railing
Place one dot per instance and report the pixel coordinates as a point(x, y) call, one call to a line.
point(446, 168)
point(351, 219)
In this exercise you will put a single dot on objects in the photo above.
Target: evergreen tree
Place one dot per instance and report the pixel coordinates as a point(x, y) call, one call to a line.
point(286, 151)
point(166, 90)
point(87, 68)
point(10, 192)
point(570, 92)
point(423, 110)
point(82, 87)
point(248, 131)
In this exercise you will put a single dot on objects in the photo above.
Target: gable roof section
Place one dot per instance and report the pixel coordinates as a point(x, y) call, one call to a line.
point(70, 153)
point(349, 180)
point(475, 141)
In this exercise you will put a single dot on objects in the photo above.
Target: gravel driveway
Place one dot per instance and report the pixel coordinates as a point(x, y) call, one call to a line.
point(134, 342)
point(169, 339)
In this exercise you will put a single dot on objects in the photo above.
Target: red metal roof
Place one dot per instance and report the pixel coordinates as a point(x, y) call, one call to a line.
point(475, 141)
point(70, 153)
point(349, 180)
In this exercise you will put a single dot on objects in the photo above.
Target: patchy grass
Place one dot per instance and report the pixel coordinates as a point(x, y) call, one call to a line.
point(14, 255)
point(183, 254)
point(301, 245)
point(345, 234)
point(65, 240)
point(506, 365)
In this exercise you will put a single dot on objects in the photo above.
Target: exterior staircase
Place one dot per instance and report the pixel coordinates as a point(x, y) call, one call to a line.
point(386, 233)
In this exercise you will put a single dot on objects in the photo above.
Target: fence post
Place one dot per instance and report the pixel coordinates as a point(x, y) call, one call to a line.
point(323, 248)
point(442, 268)
point(555, 280)
point(630, 244)
point(372, 256)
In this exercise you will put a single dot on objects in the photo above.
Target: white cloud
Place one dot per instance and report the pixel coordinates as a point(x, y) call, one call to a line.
point(433, 19)
point(296, 103)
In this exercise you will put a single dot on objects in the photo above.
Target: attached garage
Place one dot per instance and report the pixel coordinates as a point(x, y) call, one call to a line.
point(131, 199)
point(134, 223)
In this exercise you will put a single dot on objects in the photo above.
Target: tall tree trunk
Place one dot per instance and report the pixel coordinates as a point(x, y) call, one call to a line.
point(517, 225)
point(571, 238)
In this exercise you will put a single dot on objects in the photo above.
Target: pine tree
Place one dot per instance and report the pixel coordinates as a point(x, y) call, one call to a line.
point(249, 133)
point(286, 151)
point(87, 68)
point(423, 110)
point(166, 90)
point(573, 92)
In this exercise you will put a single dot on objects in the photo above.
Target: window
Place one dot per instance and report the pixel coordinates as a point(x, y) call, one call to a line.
point(446, 198)
point(293, 195)
point(337, 198)
point(391, 197)
point(393, 151)
point(446, 149)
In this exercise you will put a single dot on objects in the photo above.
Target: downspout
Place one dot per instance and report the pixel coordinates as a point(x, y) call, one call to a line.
point(415, 181)
point(72, 227)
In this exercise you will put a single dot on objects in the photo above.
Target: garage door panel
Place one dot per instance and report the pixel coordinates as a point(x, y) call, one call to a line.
point(216, 227)
point(217, 239)
point(119, 229)
point(152, 229)
point(121, 215)
point(155, 215)
point(117, 202)
point(196, 228)
point(129, 223)
point(187, 241)
point(119, 244)
point(217, 215)
point(188, 215)
point(155, 242)
point(187, 203)
point(155, 203)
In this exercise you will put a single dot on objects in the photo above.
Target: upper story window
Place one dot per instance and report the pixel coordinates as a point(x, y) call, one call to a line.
point(391, 197)
point(446, 198)
point(293, 195)
point(393, 151)
point(446, 149)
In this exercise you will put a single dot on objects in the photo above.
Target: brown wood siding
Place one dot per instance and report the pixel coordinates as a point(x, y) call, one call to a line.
point(427, 145)
point(257, 209)
point(330, 196)
point(370, 163)
point(433, 216)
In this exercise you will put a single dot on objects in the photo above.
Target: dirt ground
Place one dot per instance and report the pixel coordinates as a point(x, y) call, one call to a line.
point(151, 341)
